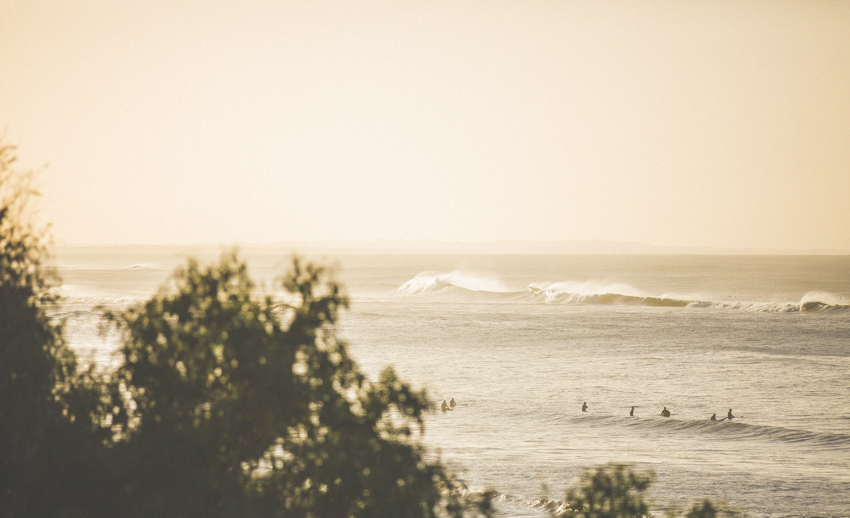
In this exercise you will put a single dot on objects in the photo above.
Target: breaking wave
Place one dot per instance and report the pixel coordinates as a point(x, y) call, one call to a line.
point(70, 296)
point(140, 266)
point(101, 301)
point(431, 282)
point(602, 294)
point(580, 293)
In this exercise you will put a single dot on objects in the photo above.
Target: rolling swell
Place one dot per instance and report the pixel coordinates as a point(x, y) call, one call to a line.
point(734, 430)
point(456, 284)
point(606, 299)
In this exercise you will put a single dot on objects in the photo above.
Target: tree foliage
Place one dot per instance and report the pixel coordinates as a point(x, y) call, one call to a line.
point(617, 491)
point(612, 491)
point(703, 509)
point(47, 432)
point(229, 404)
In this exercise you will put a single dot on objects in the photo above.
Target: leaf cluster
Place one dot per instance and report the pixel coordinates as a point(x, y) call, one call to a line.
point(47, 432)
point(617, 491)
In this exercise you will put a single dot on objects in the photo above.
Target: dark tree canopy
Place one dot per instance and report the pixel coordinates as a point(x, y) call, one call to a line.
point(231, 404)
point(617, 491)
point(47, 432)
point(613, 491)
point(227, 403)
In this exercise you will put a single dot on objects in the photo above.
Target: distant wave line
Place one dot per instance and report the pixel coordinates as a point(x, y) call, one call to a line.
point(578, 293)
point(726, 429)
point(101, 301)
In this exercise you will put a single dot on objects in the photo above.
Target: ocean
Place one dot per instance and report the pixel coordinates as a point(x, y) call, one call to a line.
point(522, 342)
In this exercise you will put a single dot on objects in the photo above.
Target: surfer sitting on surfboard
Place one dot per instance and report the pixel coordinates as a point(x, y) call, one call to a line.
point(729, 416)
point(584, 407)
point(632, 412)
point(444, 406)
point(665, 412)
point(713, 417)
point(452, 403)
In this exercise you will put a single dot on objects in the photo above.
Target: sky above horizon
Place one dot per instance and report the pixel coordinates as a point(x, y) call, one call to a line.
point(700, 124)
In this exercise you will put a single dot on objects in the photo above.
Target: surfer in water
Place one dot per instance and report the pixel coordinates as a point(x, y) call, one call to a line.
point(729, 416)
point(452, 403)
point(584, 407)
point(713, 417)
point(665, 412)
point(632, 412)
point(444, 406)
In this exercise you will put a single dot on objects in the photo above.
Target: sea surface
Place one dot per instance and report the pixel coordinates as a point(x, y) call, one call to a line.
point(521, 342)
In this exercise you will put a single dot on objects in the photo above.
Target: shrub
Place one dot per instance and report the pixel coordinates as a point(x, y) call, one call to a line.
point(231, 404)
point(616, 491)
point(47, 434)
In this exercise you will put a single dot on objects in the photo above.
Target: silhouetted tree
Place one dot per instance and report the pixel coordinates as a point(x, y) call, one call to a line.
point(227, 404)
point(47, 432)
point(231, 404)
point(616, 491)
point(612, 491)
point(702, 510)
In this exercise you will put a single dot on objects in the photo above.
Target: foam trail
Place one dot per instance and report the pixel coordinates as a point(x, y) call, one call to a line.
point(578, 291)
point(608, 294)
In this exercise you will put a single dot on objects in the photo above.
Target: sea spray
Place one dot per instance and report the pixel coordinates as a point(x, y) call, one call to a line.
point(429, 282)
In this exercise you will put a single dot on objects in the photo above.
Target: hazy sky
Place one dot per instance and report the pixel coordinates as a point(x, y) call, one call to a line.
point(699, 123)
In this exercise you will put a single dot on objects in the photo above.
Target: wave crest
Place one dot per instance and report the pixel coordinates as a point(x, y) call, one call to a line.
point(601, 294)
point(605, 294)
point(140, 266)
point(430, 282)
point(822, 301)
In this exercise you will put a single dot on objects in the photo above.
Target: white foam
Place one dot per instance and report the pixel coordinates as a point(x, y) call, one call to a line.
point(429, 282)
point(824, 298)
point(585, 288)
point(140, 266)
point(577, 292)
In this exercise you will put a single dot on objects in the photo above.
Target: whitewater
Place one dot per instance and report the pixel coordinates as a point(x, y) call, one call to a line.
point(521, 342)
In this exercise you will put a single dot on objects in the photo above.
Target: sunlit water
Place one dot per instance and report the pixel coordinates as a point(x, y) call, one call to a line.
point(522, 342)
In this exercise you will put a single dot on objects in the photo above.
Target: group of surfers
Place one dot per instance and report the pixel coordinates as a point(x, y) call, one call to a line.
point(664, 413)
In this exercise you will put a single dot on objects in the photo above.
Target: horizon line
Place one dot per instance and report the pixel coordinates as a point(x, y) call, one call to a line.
point(484, 247)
